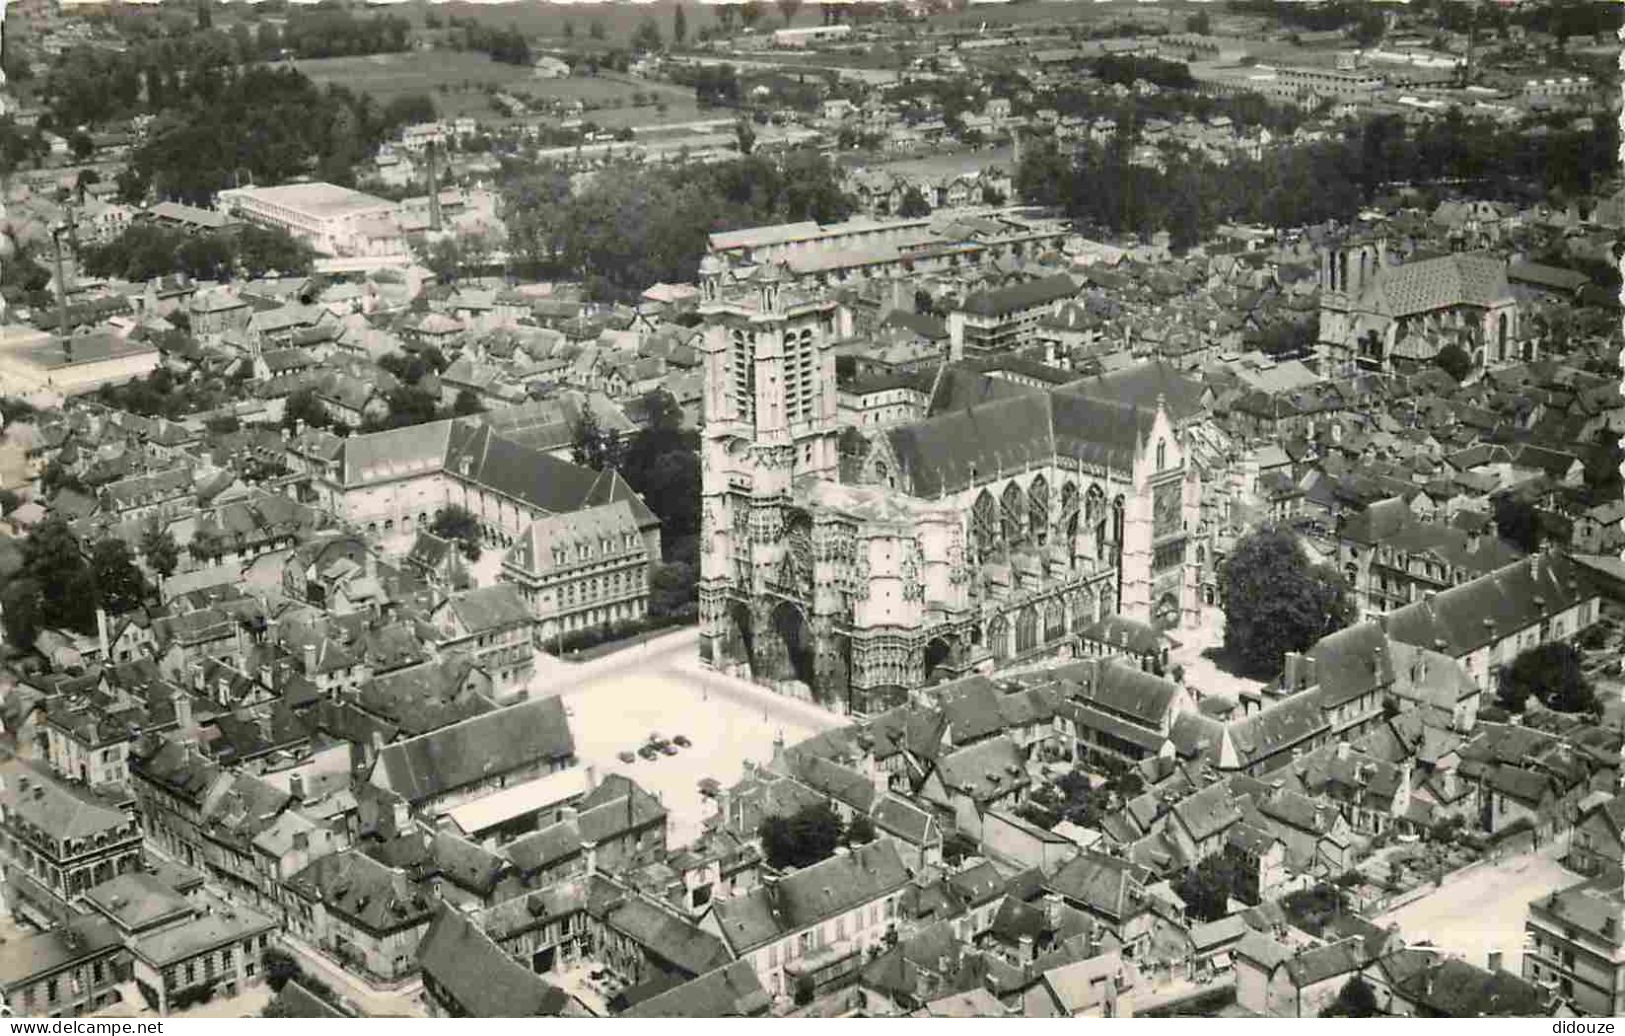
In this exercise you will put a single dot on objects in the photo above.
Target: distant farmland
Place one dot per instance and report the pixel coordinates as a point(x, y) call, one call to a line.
point(457, 80)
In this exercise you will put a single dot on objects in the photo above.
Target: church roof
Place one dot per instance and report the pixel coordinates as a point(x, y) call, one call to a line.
point(1465, 279)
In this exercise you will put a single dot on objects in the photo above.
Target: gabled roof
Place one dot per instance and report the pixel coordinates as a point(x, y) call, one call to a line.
point(484, 981)
point(498, 742)
point(811, 895)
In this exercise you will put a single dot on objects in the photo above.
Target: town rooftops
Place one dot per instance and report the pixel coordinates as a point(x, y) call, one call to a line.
point(811, 895)
point(497, 742)
point(463, 963)
point(32, 957)
point(1459, 620)
point(731, 991)
point(57, 810)
point(1018, 298)
point(136, 901)
point(222, 925)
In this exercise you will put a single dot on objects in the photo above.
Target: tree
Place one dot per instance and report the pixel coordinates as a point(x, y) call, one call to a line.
point(646, 40)
point(467, 402)
point(788, 8)
point(120, 587)
point(679, 25)
point(861, 831)
point(744, 136)
point(1208, 887)
point(751, 12)
point(913, 205)
point(593, 447)
point(596, 29)
point(1199, 24)
point(1454, 361)
point(158, 547)
point(24, 614)
point(1550, 673)
point(458, 525)
point(1275, 601)
point(1354, 1000)
point(806, 836)
point(302, 406)
point(1517, 522)
point(65, 590)
point(81, 145)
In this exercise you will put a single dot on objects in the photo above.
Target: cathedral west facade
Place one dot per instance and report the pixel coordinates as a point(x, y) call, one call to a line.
point(985, 535)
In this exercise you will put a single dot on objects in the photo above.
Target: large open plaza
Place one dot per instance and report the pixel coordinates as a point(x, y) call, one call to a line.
point(616, 702)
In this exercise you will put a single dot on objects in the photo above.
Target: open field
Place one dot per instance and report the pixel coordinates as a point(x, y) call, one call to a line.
point(457, 82)
point(1484, 909)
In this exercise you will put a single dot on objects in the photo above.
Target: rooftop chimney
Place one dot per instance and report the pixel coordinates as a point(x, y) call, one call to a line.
point(310, 659)
point(296, 786)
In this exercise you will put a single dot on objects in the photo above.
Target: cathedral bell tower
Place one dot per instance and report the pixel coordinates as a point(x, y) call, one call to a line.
point(770, 418)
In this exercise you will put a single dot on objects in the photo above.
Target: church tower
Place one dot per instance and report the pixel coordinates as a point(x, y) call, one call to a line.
point(1347, 268)
point(770, 417)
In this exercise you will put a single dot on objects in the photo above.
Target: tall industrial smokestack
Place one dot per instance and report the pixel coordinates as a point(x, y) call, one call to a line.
point(62, 328)
point(434, 190)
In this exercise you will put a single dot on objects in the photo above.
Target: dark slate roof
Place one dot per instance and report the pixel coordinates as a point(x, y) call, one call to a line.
point(1518, 596)
point(1278, 727)
point(497, 742)
point(1018, 297)
point(731, 991)
point(811, 895)
point(1352, 662)
point(486, 982)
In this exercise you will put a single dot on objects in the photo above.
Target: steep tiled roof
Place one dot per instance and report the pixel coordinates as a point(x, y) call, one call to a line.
point(1423, 286)
point(498, 742)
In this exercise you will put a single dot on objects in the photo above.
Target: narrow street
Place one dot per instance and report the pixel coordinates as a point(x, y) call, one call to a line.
point(403, 1002)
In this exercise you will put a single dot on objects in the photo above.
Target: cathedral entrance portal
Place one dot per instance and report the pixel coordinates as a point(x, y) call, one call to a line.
point(937, 654)
point(795, 660)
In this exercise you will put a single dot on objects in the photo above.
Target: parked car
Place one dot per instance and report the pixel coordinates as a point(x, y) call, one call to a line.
point(648, 751)
point(669, 748)
point(627, 757)
point(682, 741)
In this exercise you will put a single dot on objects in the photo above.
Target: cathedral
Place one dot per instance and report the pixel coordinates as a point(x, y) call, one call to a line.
point(997, 530)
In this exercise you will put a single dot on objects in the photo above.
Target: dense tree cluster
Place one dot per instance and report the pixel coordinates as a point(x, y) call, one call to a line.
point(714, 85)
point(633, 226)
point(1208, 887)
point(508, 46)
point(161, 394)
point(1125, 69)
point(1552, 674)
point(1102, 187)
point(326, 31)
point(809, 835)
point(59, 586)
point(458, 524)
point(146, 250)
point(1275, 601)
point(264, 126)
